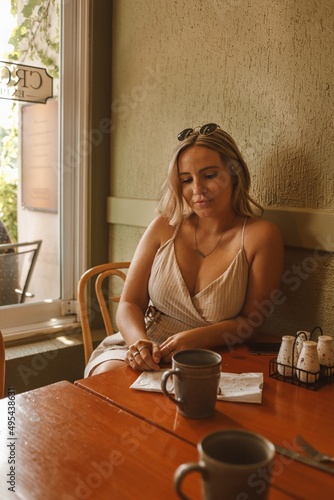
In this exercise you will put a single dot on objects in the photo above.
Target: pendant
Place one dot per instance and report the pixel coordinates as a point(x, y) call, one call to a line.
point(201, 254)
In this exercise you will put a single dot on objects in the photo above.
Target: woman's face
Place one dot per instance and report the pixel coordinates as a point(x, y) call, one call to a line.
point(205, 181)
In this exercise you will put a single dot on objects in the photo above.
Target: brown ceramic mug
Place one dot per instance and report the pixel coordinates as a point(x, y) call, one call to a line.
point(196, 376)
point(234, 465)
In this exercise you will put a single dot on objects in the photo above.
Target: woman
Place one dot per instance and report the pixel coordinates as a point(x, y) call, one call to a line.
point(202, 267)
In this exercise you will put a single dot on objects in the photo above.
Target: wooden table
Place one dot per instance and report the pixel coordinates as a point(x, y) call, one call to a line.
point(286, 410)
point(68, 444)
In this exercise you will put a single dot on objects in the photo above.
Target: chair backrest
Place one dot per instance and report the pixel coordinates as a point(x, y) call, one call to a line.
point(101, 272)
point(2, 366)
point(17, 262)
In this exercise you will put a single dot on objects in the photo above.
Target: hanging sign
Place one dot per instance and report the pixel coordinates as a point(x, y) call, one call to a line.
point(19, 82)
point(39, 156)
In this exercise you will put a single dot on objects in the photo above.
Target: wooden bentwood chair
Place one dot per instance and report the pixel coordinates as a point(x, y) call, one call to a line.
point(101, 272)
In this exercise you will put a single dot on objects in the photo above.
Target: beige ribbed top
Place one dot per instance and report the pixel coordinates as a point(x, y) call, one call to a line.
point(174, 308)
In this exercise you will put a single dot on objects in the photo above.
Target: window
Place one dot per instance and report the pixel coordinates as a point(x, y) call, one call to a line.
point(63, 220)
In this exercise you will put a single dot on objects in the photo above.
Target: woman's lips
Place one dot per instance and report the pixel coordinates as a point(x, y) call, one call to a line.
point(201, 203)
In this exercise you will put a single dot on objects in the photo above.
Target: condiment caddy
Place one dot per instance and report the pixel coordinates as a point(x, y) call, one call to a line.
point(303, 361)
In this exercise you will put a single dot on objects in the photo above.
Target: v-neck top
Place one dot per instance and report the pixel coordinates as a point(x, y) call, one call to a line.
point(175, 310)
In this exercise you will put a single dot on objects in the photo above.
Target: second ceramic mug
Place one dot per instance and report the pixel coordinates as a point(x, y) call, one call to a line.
point(234, 464)
point(196, 376)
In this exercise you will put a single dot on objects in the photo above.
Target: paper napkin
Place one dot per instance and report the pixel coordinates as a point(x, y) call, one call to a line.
point(238, 387)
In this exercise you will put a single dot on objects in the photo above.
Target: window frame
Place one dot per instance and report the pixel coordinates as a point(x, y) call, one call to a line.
point(19, 321)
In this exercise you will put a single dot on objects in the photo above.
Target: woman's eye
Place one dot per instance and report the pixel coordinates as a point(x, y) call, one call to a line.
point(186, 180)
point(212, 175)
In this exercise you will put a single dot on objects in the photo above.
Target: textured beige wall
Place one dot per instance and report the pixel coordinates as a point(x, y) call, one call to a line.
point(263, 70)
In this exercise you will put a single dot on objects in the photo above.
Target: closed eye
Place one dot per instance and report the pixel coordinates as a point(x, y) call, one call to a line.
point(186, 180)
point(212, 175)
point(205, 173)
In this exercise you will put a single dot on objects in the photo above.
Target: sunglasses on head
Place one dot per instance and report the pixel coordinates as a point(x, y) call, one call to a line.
point(207, 129)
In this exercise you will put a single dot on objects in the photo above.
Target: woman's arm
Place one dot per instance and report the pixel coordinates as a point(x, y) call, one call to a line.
point(134, 298)
point(265, 253)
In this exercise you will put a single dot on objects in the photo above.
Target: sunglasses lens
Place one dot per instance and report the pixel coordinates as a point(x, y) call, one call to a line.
point(185, 133)
point(208, 129)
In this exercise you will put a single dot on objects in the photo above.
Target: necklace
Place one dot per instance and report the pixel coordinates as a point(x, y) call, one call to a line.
point(198, 251)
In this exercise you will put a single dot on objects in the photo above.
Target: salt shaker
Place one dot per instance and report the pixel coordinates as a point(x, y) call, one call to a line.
point(285, 361)
point(308, 361)
point(301, 336)
point(325, 350)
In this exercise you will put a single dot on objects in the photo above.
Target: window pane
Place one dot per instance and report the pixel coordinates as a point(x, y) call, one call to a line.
point(29, 158)
point(57, 217)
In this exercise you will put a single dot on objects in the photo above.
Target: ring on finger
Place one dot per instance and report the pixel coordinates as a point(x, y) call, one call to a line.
point(144, 347)
point(136, 354)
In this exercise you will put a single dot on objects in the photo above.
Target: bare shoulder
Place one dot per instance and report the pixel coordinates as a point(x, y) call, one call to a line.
point(156, 234)
point(160, 230)
point(261, 235)
point(262, 228)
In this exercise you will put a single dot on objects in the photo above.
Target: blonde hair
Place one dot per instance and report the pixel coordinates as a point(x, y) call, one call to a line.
point(173, 206)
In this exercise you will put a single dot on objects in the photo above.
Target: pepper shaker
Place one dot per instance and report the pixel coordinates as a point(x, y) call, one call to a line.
point(301, 336)
point(308, 366)
point(325, 350)
point(286, 355)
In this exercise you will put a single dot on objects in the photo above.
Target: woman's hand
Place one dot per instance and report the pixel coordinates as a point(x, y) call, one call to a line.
point(143, 355)
point(189, 339)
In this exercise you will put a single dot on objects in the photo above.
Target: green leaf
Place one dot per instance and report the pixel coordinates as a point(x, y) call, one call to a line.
point(29, 8)
point(13, 7)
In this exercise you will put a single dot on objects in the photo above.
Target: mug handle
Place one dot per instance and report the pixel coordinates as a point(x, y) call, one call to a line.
point(182, 471)
point(164, 380)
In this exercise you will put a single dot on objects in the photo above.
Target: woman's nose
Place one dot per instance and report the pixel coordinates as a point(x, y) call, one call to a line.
point(199, 186)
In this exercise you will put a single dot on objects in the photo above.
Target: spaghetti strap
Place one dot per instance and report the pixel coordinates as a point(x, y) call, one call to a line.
point(243, 232)
point(171, 239)
point(175, 232)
